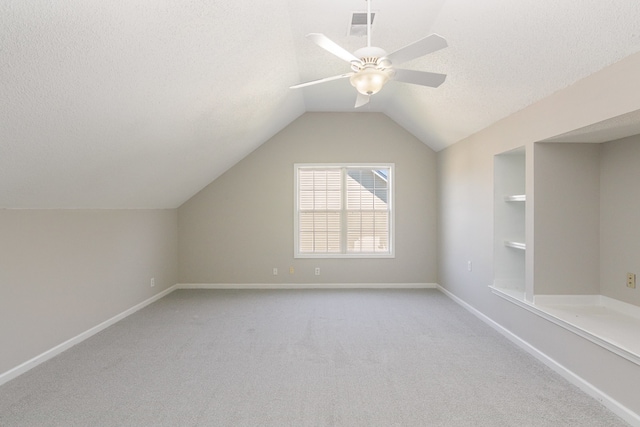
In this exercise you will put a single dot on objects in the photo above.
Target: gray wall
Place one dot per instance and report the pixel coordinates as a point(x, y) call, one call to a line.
point(241, 226)
point(63, 272)
point(465, 185)
point(567, 219)
point(586, 218)
point(620, 214)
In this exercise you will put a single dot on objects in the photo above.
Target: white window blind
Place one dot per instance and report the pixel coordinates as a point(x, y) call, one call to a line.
point(343, 210)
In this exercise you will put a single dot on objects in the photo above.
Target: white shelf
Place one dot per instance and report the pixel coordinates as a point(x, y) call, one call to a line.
point(516, 198)
point(515, 245)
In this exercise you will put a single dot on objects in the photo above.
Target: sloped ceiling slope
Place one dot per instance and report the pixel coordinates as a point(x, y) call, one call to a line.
point(136, 104)
point(140, 104)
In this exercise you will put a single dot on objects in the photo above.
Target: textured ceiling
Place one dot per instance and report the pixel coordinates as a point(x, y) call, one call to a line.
point(140, 104)
point(608, 130)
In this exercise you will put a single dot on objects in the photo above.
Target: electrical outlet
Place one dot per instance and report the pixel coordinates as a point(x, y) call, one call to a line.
point(275, 271)
point(153, 282)
point(317, 271)
point(631, 280)
point(291, 270)
point(469, 266)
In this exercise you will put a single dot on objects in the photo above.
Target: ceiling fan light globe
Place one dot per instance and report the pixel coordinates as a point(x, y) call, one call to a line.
point(369, 81)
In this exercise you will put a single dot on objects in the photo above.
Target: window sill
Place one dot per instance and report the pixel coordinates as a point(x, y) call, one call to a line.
point(345, 256)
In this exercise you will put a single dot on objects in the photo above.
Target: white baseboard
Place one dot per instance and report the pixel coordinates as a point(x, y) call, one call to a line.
point(43, 357)
point(306, 285)
point(613, 405)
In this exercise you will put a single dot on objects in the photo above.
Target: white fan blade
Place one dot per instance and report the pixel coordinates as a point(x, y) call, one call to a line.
point(361, 100)
point(423, 78)
point(418, 48)
point(326, 79)
point(332, 47)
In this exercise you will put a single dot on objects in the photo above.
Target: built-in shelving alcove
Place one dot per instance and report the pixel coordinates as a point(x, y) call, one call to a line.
point(509, 222)
point(584, 225)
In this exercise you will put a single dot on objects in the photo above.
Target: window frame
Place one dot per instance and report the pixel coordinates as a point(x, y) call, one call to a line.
point(343, 231)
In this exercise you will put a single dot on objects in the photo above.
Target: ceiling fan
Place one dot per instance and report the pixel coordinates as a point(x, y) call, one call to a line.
point(372, 67)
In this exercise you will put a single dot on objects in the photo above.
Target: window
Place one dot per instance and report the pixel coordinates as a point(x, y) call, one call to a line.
point(344, 211)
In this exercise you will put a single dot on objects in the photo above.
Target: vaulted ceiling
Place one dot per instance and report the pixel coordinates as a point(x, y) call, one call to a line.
point(141, 103)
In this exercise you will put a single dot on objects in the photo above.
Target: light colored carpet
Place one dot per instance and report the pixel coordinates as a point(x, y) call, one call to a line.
point(365, 357)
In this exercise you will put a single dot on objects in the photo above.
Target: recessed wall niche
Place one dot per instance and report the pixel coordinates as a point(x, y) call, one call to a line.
point(509, 222)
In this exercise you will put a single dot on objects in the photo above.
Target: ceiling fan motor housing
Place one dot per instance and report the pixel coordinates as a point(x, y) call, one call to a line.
point(370, 54)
